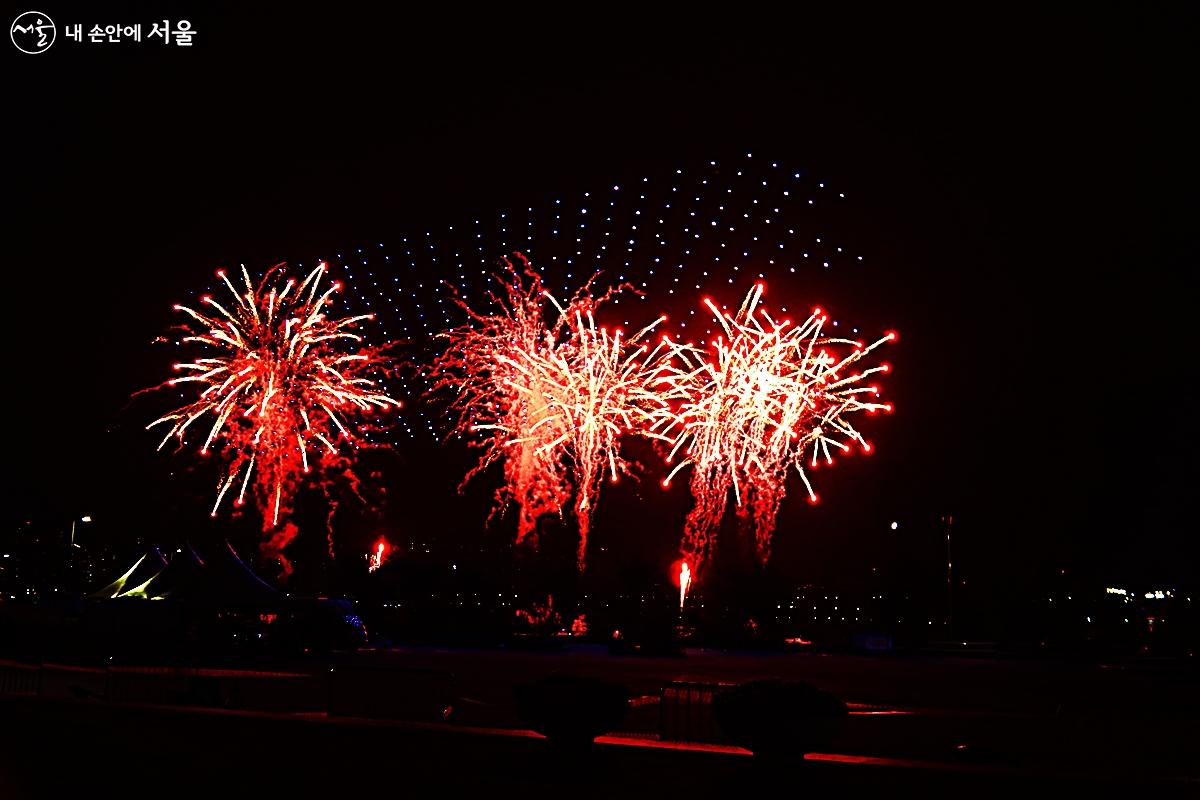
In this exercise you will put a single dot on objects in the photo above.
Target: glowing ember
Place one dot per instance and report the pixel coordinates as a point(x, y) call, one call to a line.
point(685, 582)
point(281, 381)
point(551, 400)
point(765, 396)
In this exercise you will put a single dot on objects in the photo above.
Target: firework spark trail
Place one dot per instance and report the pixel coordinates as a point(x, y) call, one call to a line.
point(602, 387)
point(485, 366)
point(278, 375)
point(552, 401)
point(766, 395)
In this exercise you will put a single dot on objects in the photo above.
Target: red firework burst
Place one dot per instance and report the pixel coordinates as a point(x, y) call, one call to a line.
point(552, 401)
point(283, 387)
point(765, 396)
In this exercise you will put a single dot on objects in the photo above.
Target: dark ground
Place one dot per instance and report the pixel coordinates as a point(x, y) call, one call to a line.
point(941, 725)
point(101, 751)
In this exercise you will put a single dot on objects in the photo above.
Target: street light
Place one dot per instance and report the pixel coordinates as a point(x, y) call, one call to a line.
point(84, 518)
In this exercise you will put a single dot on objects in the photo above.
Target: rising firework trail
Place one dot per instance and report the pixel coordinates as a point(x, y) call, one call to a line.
point(766, 395)
point(685, 582)
point(376, 557)
point(551, 401)
point(282, 388)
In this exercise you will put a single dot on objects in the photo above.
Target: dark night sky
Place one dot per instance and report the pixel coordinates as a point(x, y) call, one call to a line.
point(1022, 185)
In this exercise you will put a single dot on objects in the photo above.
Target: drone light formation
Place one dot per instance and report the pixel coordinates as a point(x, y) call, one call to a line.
point(552, 400)
point(765, 396)
point(284, 390)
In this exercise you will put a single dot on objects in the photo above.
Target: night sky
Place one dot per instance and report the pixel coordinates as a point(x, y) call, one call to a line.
point(1016, 189)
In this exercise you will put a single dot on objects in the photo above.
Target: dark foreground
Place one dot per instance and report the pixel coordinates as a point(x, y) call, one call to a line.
point(60, 749)
point(444, 720)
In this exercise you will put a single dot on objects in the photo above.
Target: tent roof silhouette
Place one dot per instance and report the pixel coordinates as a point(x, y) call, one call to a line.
point(223, 579)
point(182, 574)
point(143, 571)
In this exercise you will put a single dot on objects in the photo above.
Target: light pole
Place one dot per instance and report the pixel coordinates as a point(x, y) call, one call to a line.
point(948, 523)
point(85, 518)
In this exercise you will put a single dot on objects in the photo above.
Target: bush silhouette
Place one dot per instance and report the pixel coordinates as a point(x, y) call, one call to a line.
point(777, 718)
point(570, 710)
